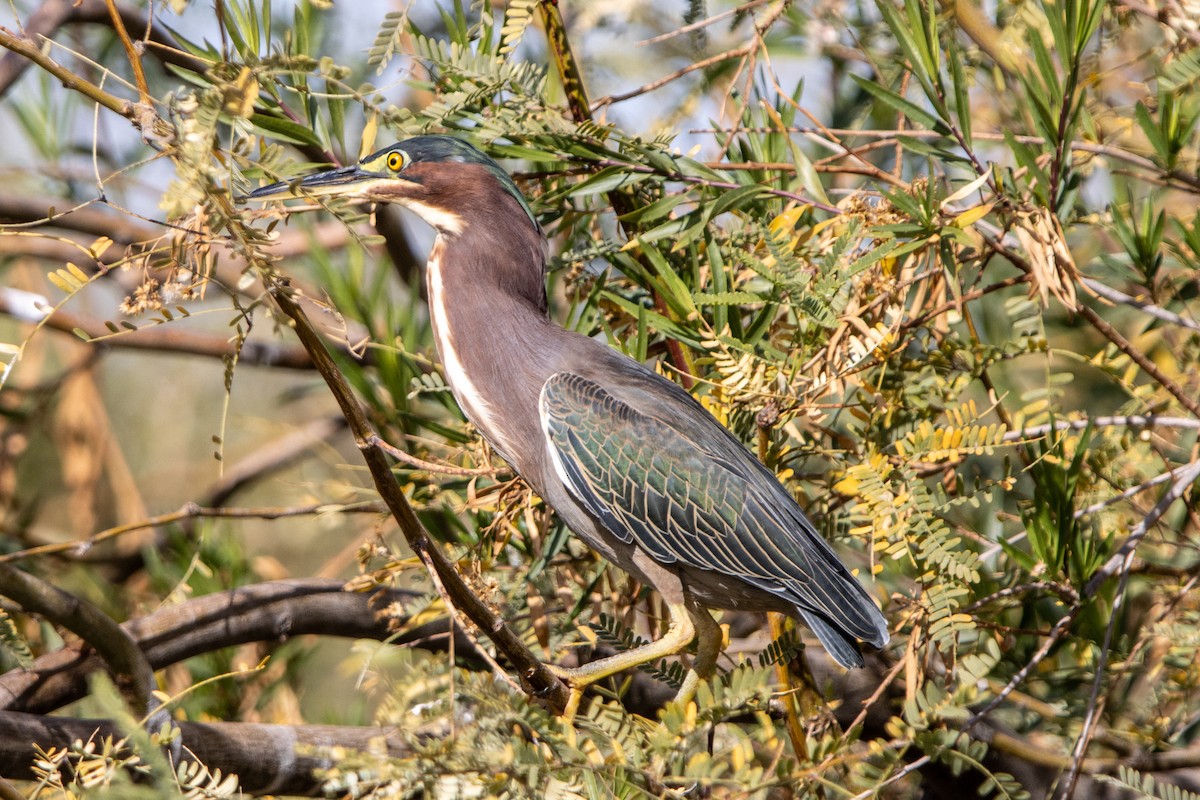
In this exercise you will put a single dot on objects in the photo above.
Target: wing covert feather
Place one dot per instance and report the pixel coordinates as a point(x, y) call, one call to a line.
point(650, 484)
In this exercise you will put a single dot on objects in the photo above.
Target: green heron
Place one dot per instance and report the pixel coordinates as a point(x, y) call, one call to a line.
point(629, 460)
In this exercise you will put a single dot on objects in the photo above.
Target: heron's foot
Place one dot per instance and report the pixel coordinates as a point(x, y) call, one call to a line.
point(679, 635)
point(576, 685)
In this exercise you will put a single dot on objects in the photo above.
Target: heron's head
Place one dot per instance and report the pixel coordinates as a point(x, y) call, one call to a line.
point(445, 180)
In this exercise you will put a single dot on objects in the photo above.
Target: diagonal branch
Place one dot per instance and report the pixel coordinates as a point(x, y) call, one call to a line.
point(54, 14)
point(126, 663)
point(29, 49)
point(1123, 558)
point(542, 683)
point(135, 60)
point(166, 338)
point(1185, 398)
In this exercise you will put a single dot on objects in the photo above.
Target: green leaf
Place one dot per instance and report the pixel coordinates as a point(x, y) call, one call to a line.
point(606, 180)
point(285, 129)
point(726, 298)
point(653, 318)
point(675, 294)
point(909, 109)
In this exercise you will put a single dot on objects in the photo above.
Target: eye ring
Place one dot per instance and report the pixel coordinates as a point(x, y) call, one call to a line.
point(395, 161)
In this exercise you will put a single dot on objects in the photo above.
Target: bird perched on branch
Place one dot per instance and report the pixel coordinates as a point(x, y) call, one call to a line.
point(630, 461)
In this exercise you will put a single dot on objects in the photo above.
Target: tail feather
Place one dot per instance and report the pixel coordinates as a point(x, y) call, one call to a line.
point(842, 647)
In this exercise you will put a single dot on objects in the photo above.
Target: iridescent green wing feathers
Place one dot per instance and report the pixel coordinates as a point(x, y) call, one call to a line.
point(650, 484)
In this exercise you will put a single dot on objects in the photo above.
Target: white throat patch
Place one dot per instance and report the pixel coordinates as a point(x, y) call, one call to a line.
point(438, 218)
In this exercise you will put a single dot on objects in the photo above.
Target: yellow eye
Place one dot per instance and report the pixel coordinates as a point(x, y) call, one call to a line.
point(395, 161)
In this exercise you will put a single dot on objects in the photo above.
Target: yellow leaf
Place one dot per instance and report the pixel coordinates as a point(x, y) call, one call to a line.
point(63, 283)
point(368, 135)
point(241, 95)
point(972, 215)
point(77, 273)
point(98, 247)
point(825, 223)
point(787, 220)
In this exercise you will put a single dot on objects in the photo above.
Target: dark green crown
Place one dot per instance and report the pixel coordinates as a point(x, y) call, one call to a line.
point(440, 148)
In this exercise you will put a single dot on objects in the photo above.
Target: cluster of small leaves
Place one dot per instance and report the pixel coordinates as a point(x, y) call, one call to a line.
point(1146, 787)
point(465, 733)
point(16, 646)
point(103, 769)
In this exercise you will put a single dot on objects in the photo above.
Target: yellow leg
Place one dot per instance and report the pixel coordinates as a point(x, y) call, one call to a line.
point(707, 650)
point(679, 635)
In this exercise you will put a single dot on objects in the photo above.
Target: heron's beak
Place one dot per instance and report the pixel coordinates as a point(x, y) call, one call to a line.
point(343, 182)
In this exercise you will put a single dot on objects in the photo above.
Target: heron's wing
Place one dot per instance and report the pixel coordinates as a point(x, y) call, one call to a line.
point(650, 483)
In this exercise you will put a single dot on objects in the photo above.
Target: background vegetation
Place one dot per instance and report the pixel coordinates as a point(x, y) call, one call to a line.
point(935, 263)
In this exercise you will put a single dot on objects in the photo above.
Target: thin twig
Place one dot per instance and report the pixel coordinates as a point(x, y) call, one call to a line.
point(743, 52)
point(1185, 477)
point(1156, 13)
point(1109, 293)
point(1109, 151)
point(697, 180)
point(703, 23)
point(79, 547)
point(281, 453)
point(1131, 421)
point(607, 100)
point(135, 60)
point(1063, 591)
point(1121, 560)
point(1186, 399)
point(1052, 638)
point(171, 339)
point(26, 47)
point(456, 623)
point(965, 297)
point(1066, 787)
point(912, 767)
point(429, 466)
point(1125, 495)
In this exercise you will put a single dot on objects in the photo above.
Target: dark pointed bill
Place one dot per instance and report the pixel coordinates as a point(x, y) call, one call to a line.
point(335, 181)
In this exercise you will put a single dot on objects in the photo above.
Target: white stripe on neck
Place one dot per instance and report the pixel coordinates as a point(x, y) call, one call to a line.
point(477, 408)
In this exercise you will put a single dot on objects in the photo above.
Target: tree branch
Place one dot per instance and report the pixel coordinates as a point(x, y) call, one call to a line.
point(534, 673)
point(30, 50)
point(273, 611)
point(128, 667)
point(54, 14)
point(169, 339)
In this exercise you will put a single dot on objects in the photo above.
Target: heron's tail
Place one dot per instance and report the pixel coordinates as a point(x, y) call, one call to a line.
point(842, 647)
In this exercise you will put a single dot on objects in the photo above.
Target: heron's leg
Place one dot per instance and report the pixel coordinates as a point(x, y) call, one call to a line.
point(679, 635)
point(708, 648)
